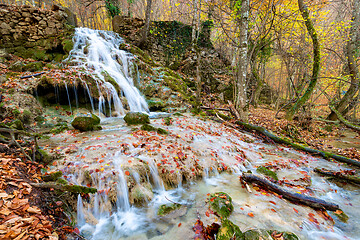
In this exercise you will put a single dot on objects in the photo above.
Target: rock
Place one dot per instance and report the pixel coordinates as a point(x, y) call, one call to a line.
point(43, 157)
point(17, 66)
point(147, 127)
point(141, 194)
point(221, 204)
point(262, 234)
point(34, 67)
point(171, 211)
point(229, 230)
point(86, 123)
point(267, 172)
point(135, 118)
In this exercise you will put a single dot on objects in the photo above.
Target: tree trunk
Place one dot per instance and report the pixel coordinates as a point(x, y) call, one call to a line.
point(145, 30)
point(316, 65)
point(242, 18)
point(289, 195)
point(351, 63)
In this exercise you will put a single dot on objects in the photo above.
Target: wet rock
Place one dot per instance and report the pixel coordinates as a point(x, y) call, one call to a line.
point(262, 234)
point(168, 208)
point(221, 204)
point(135, 118)
point(141, 194)
point(229, 230)
point(267, 172)
point(86, 123)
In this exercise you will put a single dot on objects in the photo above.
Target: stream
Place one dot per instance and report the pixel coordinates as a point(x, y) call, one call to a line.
point(137, 171)
point(120, 158)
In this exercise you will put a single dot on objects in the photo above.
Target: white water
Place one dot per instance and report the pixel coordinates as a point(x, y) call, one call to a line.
point(212, 144)
point(98, 53)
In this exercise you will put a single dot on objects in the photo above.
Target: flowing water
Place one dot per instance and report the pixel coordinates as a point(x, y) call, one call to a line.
point(196, 158)
point(136, 171)
point(97, 52)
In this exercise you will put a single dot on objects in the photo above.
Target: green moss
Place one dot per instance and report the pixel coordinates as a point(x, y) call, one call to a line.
point(16, 124)
point(79, 189)
point(267, 172)
point(147, 127)
point(341, 216)
point(52, 177)
point(62, 181)
point(168, 121)
point(34, 67)
point(229, 230)
point(162, 131)
point(42, 156)
point(68, 45)
point(257, 234)
point(221, 204)
point(59, 128)
point(135, 118)
point(85, 123)
point(111, 80)
point(166, 209)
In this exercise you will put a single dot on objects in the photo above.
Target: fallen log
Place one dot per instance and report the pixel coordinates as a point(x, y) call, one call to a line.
point(343, 120)
point(65, 187)
point(338, 175)
point(325, 155)
point(291, 196)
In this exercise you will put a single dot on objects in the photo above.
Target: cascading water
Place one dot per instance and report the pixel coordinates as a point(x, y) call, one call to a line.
point(98, 53)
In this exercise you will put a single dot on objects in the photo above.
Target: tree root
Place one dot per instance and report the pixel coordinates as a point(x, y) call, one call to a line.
point(339, 175)
point(343, 120)
point(291, 196)
point(65, 187)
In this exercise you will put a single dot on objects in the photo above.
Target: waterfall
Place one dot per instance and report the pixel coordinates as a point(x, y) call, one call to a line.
point(98, 53)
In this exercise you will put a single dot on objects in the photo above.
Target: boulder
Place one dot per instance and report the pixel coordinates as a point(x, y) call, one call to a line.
point(135, 118)
point(229, 230)
point(221, 204)
point(86, 123)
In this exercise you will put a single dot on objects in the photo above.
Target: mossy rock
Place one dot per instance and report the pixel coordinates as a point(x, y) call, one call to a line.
point(17, 66)
point(155, 104)
point(162, 131)
point(262, 234)
point(168, 121)
point(79, 189)
point(148, 127)
point(267, 172)
point(52, 177)
point(43, 157)
point(141, 193)
point(26, 116)
point(17, 124)
point(221, 204)
point(67, 45)
point(257, 234)
point(166, 208)
point(59, 128)
point(86, 123)
point(229, 230)
point(34, 67)
point(341, 216)
point(136, 118)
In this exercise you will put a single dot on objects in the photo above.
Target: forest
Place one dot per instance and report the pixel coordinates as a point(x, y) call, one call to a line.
point(175, 119)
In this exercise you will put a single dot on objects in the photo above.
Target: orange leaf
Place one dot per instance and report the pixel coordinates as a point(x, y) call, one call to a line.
point(296, 210)
point(179, 225)
point(127, 173)
point(251, 214)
